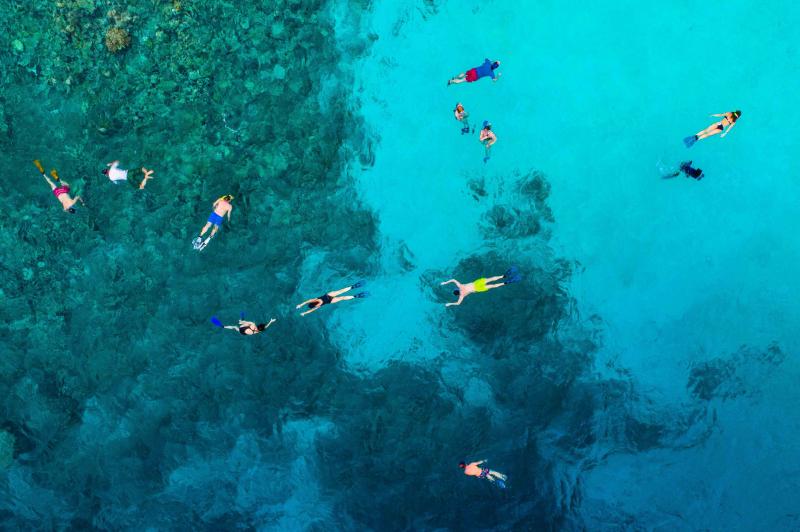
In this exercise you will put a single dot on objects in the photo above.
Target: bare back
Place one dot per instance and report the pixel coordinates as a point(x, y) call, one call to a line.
point(222, 207)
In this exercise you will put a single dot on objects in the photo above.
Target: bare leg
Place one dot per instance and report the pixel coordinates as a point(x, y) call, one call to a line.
point(709, 131)
point(214, 231)
point(461, 78)
point(341, 298)
point(52, 185)
point(342, 291)
point(205, 228)
point(495, 475)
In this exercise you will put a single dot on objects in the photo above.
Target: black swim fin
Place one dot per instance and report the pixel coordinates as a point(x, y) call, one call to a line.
point(362, 294)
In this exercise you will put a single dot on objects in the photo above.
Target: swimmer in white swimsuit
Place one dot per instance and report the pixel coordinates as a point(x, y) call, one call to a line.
point(117, 175)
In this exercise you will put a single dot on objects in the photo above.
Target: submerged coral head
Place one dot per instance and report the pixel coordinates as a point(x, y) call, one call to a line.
point(117, 39)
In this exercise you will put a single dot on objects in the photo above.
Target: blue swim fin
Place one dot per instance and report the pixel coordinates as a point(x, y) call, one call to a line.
point(511, 271)
point(500, 483)
point(362, 294)
point(359, 284)
point(216, 321)
point(512, 279)
point(689, 141)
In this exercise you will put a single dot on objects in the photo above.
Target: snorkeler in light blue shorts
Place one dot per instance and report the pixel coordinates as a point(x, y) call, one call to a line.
point(222, 207)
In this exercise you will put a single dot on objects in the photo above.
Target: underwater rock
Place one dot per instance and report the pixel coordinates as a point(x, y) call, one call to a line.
point(117, 39)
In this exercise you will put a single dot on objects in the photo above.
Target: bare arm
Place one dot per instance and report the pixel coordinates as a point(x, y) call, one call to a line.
point(729, 130)
point(229, 213)
point(305, 303)
point(273, 320)
point(309, 311)
point(450, 281)
point(148, 174)
point(460, 299)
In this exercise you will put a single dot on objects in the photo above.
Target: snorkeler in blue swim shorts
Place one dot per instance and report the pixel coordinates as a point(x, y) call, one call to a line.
point(222, 207)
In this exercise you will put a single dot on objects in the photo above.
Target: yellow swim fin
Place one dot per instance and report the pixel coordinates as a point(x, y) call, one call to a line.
point(38, 165)
point(54, 174)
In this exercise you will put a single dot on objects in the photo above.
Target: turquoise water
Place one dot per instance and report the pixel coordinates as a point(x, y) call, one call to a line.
point(642, 377)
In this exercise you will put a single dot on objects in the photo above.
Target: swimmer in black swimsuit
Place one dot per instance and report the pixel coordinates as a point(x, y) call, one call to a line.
point(728, 119)
point(330, 298)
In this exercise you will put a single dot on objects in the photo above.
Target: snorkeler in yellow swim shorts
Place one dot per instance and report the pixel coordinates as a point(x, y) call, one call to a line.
point(483, 284)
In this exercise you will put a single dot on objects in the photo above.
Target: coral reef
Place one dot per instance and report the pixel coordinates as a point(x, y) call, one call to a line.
point(117, 39)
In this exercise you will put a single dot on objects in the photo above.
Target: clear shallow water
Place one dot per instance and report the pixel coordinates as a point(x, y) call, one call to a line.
point(642, 377)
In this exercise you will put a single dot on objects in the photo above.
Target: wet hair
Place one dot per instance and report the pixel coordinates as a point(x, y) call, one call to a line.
point(462, 465)
point(71, 210)
point(261, 326)
point(456, 292)
point(105, 171)
point(227, 197)
point(488, 127)
point(495, 65)
point(736, 114)
point(313, 304)
point(459, 105)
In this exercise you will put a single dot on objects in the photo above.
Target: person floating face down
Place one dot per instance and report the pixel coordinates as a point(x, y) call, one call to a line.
point(61, 192)
point(688, 170)
point(117, 175)
point(487, 138)
point(727, 119)
point(331, 298)
point(221, 208)
point(487, 69)
point(483, 284)
point(248, 328)
point(474, 469)
point(462, 116)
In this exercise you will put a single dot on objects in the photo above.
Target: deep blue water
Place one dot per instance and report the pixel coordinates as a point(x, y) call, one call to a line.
point(641, 377)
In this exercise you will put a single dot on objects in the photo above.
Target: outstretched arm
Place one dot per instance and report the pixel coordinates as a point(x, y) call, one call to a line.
point(230, 209)
point(719, 114)
point(305, 303)
point(460, 299)
point(309, 311)
point(148, 174)
point(273, 320)
point(231, 327)
point(450, 281)
point(729, 130)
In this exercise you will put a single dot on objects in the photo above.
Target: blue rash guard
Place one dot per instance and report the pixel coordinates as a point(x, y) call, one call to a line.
point(485, 70)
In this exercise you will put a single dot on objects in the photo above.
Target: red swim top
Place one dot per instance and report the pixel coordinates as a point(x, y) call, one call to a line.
point(60, 190)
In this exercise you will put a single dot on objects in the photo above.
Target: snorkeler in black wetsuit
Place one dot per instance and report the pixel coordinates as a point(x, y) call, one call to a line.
point(687, 169)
